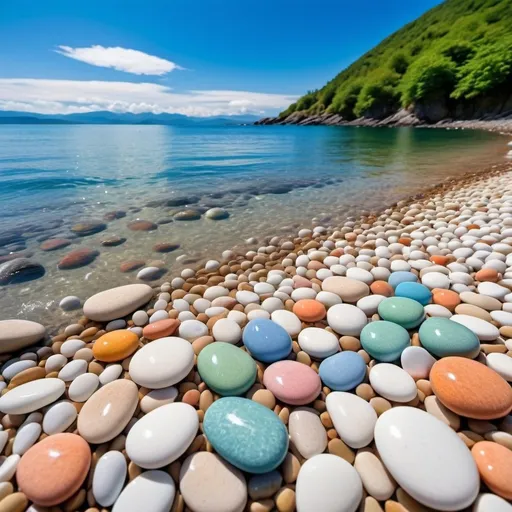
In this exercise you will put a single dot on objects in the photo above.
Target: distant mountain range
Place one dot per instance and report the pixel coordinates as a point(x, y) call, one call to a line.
point(9, 117)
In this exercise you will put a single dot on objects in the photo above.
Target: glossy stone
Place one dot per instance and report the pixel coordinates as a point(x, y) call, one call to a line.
point(309, 310)
point(402, 276)
point(470, 389)
point(226, 369)
point(384, 341)
point(442, 337)
point(107, 412)
point(16, 334)
point(392, 382)
point(292, 382)
point(109, 477)
point(266, 340)
point(402, 311)
point(343, 371)
point(427, 458)
point(494, 463)
point(115, 346)
point(161, 329)
point(415, 291)
point(31, 396)
point(348, 289)
point(307, 432)
point(54, 469)
point(318, 343)
point(246, 434)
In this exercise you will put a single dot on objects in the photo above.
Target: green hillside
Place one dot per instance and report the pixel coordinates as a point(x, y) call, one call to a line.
point(454, 59)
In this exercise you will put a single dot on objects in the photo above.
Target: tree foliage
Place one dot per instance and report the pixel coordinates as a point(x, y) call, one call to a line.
point(458, 51)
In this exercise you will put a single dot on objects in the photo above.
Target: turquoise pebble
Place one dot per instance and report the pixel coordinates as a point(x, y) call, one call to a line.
point(266, 340)
point(246, 434)
point(384, 341)
point(442, 337)
point(343, 371)
point(415, 291)
point(226, 369)
point(402, 311)
point(402, 276)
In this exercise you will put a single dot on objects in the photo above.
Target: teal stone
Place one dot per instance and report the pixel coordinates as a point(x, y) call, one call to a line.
point(226, 369)
point(415, 291)
point(246, 434)
point(442, 337)
point(402, 311)
point(384, 341)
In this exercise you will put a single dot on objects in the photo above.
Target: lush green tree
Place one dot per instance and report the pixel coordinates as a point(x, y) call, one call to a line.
point(399, 63)
point(345, 100)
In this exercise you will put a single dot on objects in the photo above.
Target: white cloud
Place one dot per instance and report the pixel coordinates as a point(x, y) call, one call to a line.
point(122, 59)
point(70, 96)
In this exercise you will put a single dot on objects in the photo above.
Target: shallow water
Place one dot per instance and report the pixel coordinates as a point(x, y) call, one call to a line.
point(271, 179)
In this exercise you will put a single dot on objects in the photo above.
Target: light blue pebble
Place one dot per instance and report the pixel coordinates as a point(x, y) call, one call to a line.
point(266, 340)
point(343, 371)
point(415, 291)
point(246, 434)
point(401, 276)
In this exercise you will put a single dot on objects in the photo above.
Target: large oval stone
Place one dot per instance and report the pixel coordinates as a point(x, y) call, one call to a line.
point(108, 411)
point(117, 302)
point(54, 469)
point(115, 345)
point(402, 311)
point(16, 334)
point(206, 479)
point(89, 227)
point(162, 363)
point(384, 341)
point(292, 382)
point(427, 458)
point(348, 289)
point(20, 270)
point(78, 258)
point(54, 243)
point(494, 463)
point(161, 329)
point(162, 436)
point(343, 371)
point(226, 369)
point(31, 396)
point(246, 434)
point(415, 291)
point(470, 388)
point(266, 340)
point(442, 337)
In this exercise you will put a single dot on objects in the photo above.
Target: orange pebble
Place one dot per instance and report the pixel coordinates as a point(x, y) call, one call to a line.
point(337, 252)
point(439, 259)
point(447, 298)
point(161, 329)
point(309, 310)
point(315, 265)
point(487, 274)
point(381, 288)
point(115, 345)
point(191, 397)
point(405, 241)
point(494, 463)
point(472, 226)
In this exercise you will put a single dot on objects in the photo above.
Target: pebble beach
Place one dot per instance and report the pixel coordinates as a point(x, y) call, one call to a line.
point(360, 367)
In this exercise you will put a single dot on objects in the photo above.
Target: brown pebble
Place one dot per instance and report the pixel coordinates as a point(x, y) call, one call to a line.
point(408, 502)
point(265, 397)
point(350, 343)
point(284, 415)
point(339, 448)
point(365, 391)
point(27, 375)
point(76, 501)
point(326, 420)
point(205, 400)
point(469, 438)
point(285, 500)
point(133, 470)
point(290, 468)
point(380, 405)
point(199, 343)
point(394, 506)
point(424, 386)
point(178, 504)
point(6, 489)
point(95, 367)
point(16, 502)
point(370, 504)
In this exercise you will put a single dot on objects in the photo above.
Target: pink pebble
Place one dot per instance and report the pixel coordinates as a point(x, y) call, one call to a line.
point(301, 282)
point(292, 382)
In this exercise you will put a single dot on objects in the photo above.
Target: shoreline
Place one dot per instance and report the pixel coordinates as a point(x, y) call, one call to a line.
point(446, 251)
point(402, 118)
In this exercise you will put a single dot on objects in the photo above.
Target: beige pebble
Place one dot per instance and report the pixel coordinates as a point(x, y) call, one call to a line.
point(365, 391)
point(339, 448)
point(285, 500)
point(424, 386)
point(6, 488)
point(199, 343)
point(265, 397)
point(262, 506)
point(394, 506)
point(290, 468)
point(469, 438)
point(380, 405)
point(350, 343)
point(376, 479)
point(205, 400)
point(503, 438)
point(370, 505)
point(409, 503)
point(16, 502)
point(436, 408)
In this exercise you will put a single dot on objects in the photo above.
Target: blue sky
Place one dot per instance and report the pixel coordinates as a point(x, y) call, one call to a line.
point(200, 57)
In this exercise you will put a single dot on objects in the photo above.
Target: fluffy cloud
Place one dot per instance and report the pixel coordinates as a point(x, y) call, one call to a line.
point(70, 96)
point(122, 59)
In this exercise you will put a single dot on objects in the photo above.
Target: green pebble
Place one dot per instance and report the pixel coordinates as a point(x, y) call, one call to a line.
point(384, 341)
point(402, 311)
point(226, 369)
point(442, 337)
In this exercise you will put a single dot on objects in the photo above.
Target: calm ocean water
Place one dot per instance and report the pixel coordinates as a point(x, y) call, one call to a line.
point(271, 180)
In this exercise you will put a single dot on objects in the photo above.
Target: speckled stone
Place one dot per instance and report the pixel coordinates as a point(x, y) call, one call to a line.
point(246, 434)
point(384, 341)
point(226, 369)
point(470, 389)
point(402, 311)
point(442, 337)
